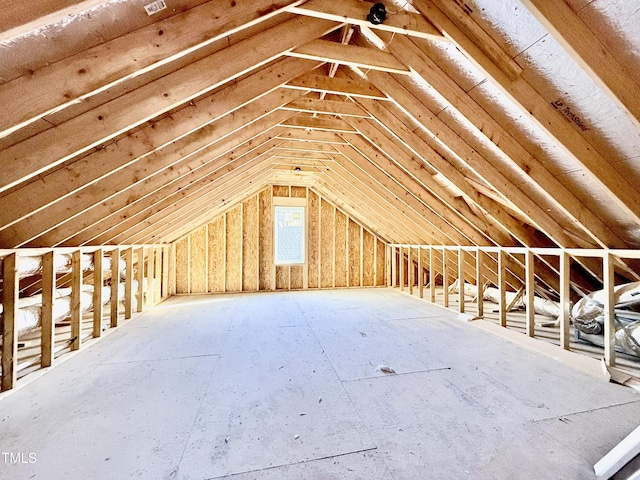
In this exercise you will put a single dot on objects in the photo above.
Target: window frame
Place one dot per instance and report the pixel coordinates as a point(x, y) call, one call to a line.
point(291, 202)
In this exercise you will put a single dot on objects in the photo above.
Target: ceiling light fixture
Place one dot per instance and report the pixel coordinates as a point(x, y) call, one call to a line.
point(377, 14)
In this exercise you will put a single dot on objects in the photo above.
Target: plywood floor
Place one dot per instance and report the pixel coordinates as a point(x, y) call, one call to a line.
point(285, 386)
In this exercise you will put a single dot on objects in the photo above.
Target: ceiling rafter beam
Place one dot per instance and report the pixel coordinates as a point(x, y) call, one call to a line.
point(110, 194)
point(301, 135)
point(44, 151)
point(80, 76)
point(361, 168)
point(326, 107)
point(403, 221)
point(368, 208)
point(584, 46)
point(533, 171)
point(242, 167)
point(406, 171)
point(354, 56)
point(355, 12)
point(335, 125)
point(525, 96)
point(424, 151)
point(188, 215)
point(472, 158)
point(336, 86)
point(177, 185)
point(191, 128)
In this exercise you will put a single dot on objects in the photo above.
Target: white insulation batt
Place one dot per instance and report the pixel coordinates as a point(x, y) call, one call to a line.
point(588, 318)
point(541, 306)
point(32, 265)
point(30, 308)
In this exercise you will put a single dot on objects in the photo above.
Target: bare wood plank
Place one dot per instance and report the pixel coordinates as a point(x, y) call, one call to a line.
point(198, 261)
point(375, 261)
point(216, 242)
point(393, 257)
point(410, 278)
point(241, 246)
point(420, 272)
point(368, 258)
point(336, 86)
point(172, 271)
point(327, 244)
point(140, 279)
point(432, 276)
point(317, 123)
point(182, 267)
point(10, 291)
point(502, 287)
point(608, 275)
point(619, 456)
point(348, 250)
point(361, 260)
point(165, 271)
point(47, 341)
point(233, 246)
point(326, 107)
point(565, 299)
point(480, 281)
point(445, 277)
point(76, 300)
point(149, 267)
point(250, 247)
point(319, 245)
point(96, 126)
point(461, 272)
point(530, 290)
point(300, 135)
point(515, 299)
point(355, 13)
point(403, 268)
point(296, 277)
point(115, 284)
point(362, 57)
point(189, 269)
point(281, 276)
point(98, 300)
point(128, 283)
point(281, 191)
point(266, 238)
point(157, 274)
point(273, 189)
point(465, 104)
point(334, 247)
point(341, 248)
point(256, 227)
point(207, 114)
point(77, 77)
point(305, 271)
point(422, 145)
point(298, 192)
point(381, 168)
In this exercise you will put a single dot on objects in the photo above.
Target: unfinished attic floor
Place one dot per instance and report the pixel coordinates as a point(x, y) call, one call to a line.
point(285, 386)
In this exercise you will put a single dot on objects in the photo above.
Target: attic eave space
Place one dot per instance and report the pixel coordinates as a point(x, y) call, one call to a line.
point(448, 123)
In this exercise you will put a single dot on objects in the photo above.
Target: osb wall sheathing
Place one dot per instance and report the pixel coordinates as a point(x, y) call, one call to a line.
point(234, 252)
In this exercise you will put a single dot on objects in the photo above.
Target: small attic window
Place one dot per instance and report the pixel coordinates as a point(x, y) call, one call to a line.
point(289, 233)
